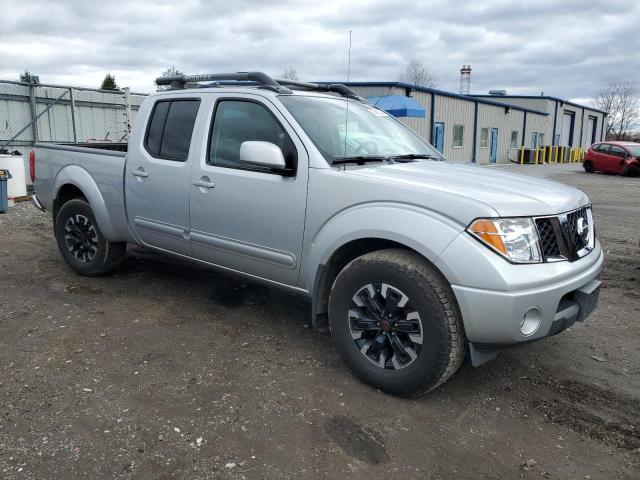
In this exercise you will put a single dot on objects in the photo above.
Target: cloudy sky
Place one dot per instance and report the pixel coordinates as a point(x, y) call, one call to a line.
point(565, 48)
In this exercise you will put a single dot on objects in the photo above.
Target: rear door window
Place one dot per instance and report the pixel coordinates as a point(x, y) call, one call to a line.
point(156, 126)
point(171, 128)
point(618, 151)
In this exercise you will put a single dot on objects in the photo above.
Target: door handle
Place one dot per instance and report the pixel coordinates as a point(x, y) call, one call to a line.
point(204, 184)
point(139, 173)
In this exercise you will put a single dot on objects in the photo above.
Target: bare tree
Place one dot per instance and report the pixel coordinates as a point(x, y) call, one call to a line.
point(417, 73)
point(290, 73)
point(621, 99)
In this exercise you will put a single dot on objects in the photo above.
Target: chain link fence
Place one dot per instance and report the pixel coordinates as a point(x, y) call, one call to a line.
point(32, 113)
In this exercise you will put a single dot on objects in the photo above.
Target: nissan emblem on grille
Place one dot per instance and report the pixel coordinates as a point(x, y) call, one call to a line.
point(566, 236)
point(582, 229)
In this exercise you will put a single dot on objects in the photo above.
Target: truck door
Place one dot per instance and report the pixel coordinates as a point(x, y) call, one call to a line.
point(158, 174)
point(244, 217)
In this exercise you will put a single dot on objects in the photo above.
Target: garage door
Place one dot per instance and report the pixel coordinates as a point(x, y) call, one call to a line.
point(567, 130)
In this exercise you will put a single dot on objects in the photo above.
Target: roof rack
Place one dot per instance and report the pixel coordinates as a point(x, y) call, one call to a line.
point(261, 79)
point(321, 87)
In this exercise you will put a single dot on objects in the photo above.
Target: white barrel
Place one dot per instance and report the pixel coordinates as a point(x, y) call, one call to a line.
point(17, 184)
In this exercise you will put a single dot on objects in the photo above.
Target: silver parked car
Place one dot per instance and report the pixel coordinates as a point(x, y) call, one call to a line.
point(410, 261)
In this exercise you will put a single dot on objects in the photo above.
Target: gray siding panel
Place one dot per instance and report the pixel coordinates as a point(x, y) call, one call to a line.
point(454, 111)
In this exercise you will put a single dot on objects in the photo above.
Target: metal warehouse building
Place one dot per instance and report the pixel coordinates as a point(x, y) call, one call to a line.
point(488, 128)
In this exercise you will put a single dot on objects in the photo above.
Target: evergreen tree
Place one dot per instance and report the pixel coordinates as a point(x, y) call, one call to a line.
point(109, 83)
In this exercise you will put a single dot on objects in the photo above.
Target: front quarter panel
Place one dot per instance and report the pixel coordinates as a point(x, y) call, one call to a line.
point(342, 208)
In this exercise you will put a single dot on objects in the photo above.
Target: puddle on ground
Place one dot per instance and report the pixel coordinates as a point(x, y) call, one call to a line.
point(355, 440)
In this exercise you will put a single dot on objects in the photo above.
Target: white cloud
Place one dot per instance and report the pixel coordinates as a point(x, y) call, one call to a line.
point(566, 48)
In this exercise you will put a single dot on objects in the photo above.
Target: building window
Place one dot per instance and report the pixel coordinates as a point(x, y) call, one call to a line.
point(458, 136)
point(514, 139)
point(534, 139)
point(541, 139)
point(484, 137)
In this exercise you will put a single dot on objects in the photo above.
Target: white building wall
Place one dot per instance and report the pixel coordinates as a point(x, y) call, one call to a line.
point(580, 136)
point(422, 126)
point(538, 124)
point(491, 117)
point(453, 111)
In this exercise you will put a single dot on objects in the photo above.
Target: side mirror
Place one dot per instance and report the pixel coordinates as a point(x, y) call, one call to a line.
point(263, 154)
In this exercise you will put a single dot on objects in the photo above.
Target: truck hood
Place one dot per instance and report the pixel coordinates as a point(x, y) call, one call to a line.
point(509, 194)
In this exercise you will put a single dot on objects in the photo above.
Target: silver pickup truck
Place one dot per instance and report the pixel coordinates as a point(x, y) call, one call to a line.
point(412, 262)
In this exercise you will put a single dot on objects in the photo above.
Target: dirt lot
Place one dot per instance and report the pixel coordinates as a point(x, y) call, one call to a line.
point(171, 371)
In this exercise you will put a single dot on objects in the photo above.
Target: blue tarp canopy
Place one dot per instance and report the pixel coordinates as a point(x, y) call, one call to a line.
point(398, 106)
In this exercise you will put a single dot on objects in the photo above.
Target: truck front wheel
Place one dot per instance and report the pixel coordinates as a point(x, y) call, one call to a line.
point(81, 243)
point(395, 321)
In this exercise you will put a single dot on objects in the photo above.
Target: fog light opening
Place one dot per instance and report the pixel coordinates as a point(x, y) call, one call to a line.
point(531, 320)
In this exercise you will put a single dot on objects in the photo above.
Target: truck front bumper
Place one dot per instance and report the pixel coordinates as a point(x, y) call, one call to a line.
point(497, 319)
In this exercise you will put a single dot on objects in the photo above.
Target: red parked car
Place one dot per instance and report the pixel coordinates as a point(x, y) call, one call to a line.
point(613, 157)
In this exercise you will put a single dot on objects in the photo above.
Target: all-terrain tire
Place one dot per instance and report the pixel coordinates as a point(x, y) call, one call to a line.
point(588, 166)
point(97, 255)
point(443, 340)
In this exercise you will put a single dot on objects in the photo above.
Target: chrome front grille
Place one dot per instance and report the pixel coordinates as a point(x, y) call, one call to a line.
point(568, 236)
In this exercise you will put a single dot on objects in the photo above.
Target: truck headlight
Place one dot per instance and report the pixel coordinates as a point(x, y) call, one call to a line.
point(516, 239)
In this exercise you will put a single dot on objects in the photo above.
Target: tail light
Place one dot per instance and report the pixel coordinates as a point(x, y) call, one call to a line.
point(32, 165)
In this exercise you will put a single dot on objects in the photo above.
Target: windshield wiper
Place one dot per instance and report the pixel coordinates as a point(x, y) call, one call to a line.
point(414, 156)
point(361, 160)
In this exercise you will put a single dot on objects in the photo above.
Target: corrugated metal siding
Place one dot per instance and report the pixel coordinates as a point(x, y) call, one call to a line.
point(540, 104)
point(454, 111)
point(422, 126)
point(490, 117)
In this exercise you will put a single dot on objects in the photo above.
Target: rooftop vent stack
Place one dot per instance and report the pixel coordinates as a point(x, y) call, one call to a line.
point(465, 79)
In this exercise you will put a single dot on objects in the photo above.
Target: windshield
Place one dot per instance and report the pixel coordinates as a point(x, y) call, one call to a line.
point(634, 149)
point(369, 132)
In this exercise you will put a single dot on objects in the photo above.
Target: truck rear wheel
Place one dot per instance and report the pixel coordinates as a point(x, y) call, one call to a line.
point(81, 243)
point(395, 321)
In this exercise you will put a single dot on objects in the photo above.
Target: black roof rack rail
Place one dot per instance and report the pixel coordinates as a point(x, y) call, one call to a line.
point(343, 90)
point(262, 79)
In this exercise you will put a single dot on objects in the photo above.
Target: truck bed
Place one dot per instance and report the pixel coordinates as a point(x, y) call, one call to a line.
point(97, 169)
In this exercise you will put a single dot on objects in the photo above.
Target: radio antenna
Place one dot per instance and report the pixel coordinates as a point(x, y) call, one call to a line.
point(346, 122)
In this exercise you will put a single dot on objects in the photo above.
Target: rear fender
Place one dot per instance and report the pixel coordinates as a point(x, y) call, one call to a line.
point(80, 178)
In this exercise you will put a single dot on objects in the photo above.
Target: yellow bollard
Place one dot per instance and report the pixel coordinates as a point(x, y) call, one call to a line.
point(562, 149)
point(571, 151)
point(555, 154)
point(521, 155)
point(537, 150)
point(544, 155)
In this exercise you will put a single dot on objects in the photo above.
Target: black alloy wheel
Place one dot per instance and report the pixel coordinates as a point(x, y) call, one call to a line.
point(385, 326)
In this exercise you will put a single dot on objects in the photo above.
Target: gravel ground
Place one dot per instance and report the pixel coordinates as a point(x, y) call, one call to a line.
point(166, 370)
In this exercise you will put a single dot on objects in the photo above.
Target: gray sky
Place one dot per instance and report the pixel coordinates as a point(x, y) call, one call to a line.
point(565, 48)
